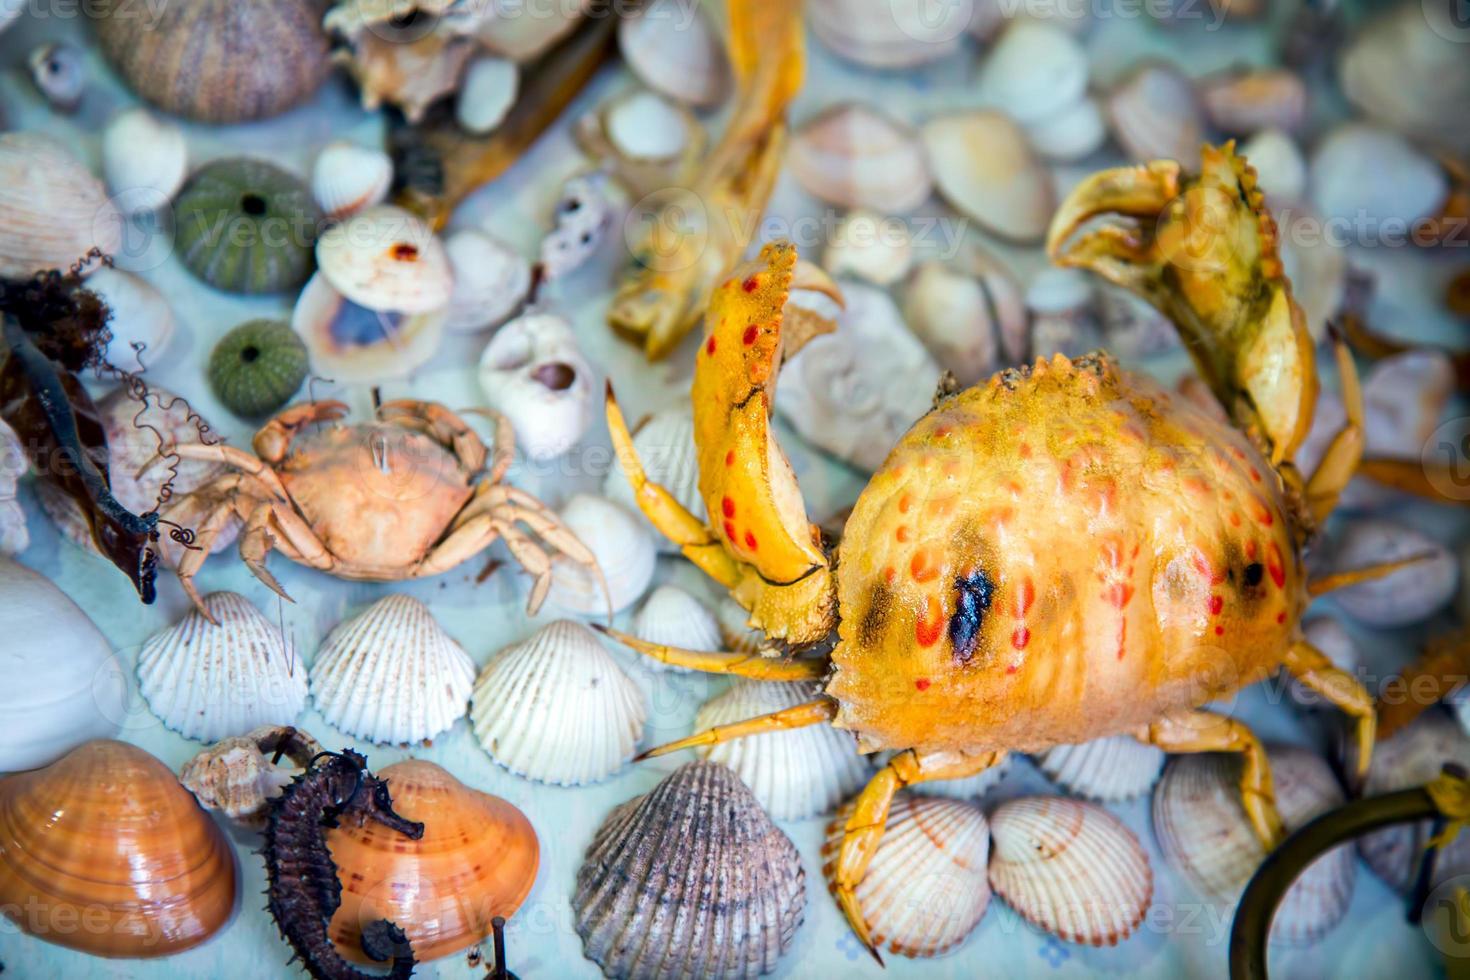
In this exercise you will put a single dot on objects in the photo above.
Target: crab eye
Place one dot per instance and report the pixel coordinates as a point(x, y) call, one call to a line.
point(1253, 574)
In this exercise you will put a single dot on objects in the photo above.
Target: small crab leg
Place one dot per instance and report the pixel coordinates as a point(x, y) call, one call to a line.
point(797, 716)
point(1205, 731)
point(273, 440)
point(238, 459)
point(1314, 670)
point(1345, 452)
point(447, 428)
point(1368, 573)
point(1439, 672)
point(738, 664)
point(256, 542)
point(870, 816)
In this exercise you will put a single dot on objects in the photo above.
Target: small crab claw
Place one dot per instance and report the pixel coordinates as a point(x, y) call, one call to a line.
point(1141, 192)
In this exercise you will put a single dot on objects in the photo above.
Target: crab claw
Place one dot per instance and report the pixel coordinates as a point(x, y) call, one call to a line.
point(1203, 249)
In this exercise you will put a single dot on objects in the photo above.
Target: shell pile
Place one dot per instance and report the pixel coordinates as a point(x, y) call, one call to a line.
point(643, 907)
point(391, 674)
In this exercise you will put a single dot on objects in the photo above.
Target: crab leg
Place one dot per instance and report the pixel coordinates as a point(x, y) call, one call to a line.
point(1205, 731)
point(870, 816)
point(1139, 192)
point(255, 543)
point(273, 440)
point(1439, 672)
point(1314, 670)
point(797, 716)
point(1345, 452)
point(446, 428)
point(739, 664)
point(1368, 573)
point(238, 459)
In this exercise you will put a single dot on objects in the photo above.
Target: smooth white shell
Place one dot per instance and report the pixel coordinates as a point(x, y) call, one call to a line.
point(795, 774)
point(665, 446)
point(353, 344)
point(486, 93)
point(209, 682)
point(870, 247)
point(1109, 769)
point(838, 390)
point(62, 684)
point(1244, 102)
point(1070, 133)
point(1155, 115)
point(52, 210)
point(927, 887)
point(1035, 70)
point(624, 551)
point(385, 258)
point(689, 880)
point(558, 708)
point(1070, 868)
point(15, 537)
point(856, 157)
point(534, 374)
point(984, 167)
point(348, 177)
point(968, 322)
point(1413, 757)
point(671, 46)
point(1362, 173)
point(391, 674)
point(735, 627)
point(491, 280)
point(1064, 312)
point(644, 125)
point(144, 157)
point(1204, 834)
point(140, 315)
point(672, 617)
point(889, 33)
point(1280, 167)
point(1409, 595)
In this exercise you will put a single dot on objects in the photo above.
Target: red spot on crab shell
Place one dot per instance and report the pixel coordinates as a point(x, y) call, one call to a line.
point(902, 534)
point(922, 684)
point(1019, 639)
point(709, 345)
point(751, 332)
point(904, 503)
point(750, 542)
point(1217, 604)
point(929, 626)
point(751, 285)
point(730, 531)
point(1281, 616)
point(1206, 569)
point(1219, 631)
point(1252, 549)
point(1273, 565)
point(730, 458)
point(727, 506)
point(1025, 595)
point(922, 566)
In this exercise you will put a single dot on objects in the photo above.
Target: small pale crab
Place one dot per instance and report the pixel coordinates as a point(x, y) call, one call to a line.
point(404, 496)
point(1063, 552)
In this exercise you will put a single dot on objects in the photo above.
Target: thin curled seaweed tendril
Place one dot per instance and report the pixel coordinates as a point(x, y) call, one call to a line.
point(304, 890)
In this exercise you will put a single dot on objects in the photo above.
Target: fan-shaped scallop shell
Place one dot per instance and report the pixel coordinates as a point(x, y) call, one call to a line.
point(665, 446)
point(1412, 757)
point(795, 774)
point(348, 177)
point(391, 674)
point(52, 210)
point(927, 887)
point(691, 880)
point(856, 157)
point(672, 617)
point(558, 708)
point(624, 551)
point(208, 681)
point(235, 776)
point(1204, 833)
point(1109, 769)
point(1070, 868)
point(103, 851)
point(671, 46)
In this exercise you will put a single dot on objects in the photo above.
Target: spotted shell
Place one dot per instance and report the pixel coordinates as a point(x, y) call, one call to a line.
point(927, 887)
point(795, 774)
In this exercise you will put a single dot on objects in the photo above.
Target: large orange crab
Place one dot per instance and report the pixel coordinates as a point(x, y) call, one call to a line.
point(1064, 552)
point(396, 498)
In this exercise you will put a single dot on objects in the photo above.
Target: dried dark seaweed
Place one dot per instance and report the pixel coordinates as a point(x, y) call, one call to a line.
point(304, 889)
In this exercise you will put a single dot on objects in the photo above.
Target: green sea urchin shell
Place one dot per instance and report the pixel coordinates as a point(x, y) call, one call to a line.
point(257, 367)
point(246, 226)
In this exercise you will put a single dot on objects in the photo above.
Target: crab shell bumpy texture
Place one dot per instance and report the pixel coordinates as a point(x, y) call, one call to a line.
point(378, 495)
point(1064, 552)
point(748, 486)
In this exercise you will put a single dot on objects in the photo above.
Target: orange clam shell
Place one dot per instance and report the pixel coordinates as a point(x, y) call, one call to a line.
point(476, 860)
point(104, 851)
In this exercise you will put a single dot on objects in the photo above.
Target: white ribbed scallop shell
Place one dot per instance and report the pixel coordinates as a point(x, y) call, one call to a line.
point(624, 551)
point(691, 880)
point(1109, 769)
point(1204, 833)
point(795, 774)
point(348, 177)
point(672, 617)
point(1070, 868)
point(391, 674)
point(209, 682)
point(1412, 757)
point(558, 708)
point(927, 886)
point(665, 446)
